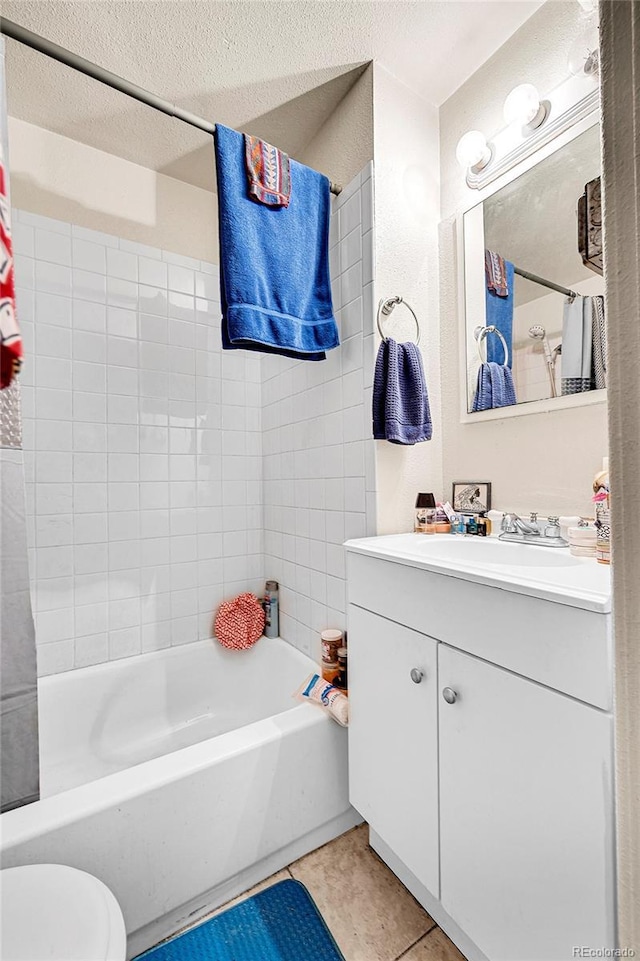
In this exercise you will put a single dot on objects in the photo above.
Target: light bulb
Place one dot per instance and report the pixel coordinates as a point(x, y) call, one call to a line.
point(523, 107)
point(473, 150)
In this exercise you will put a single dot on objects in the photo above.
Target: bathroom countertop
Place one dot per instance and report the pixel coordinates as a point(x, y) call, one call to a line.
point(546, 572)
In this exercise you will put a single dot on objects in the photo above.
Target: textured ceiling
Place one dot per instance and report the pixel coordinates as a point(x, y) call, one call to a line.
point(277, 69)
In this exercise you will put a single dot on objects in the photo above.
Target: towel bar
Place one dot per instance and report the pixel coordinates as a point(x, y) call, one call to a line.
point(386, 307)
point(481, 332)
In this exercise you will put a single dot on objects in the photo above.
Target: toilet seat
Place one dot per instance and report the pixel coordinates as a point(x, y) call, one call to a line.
point(51, 912)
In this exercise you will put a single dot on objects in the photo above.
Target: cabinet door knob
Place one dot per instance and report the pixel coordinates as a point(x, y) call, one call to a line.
point(416, 675)
point(449, 695)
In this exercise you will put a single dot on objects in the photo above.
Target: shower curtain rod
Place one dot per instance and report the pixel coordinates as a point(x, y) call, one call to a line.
point(545, 283)
point(16, 32)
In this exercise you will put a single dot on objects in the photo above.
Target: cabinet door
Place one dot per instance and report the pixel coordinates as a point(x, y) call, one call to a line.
point(393, 759)
point(526, 814)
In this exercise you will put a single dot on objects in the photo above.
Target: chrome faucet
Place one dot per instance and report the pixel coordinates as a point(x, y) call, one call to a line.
point(512, 523)
point(518, 531)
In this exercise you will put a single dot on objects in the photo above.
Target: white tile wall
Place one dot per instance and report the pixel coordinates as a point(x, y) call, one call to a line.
point(319, 459)
point(143, 451)
point(145, 447)
point(530, 375)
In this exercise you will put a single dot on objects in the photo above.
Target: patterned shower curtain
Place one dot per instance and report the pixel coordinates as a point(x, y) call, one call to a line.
point(19, 773)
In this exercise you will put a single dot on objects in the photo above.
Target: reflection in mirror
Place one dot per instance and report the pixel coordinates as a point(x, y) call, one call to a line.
point(533, 283)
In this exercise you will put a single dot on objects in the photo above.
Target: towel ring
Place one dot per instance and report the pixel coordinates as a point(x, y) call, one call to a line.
point(481, 332)
point(386, 307)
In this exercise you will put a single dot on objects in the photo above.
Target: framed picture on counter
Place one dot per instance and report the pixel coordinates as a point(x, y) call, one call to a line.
point(471, 497)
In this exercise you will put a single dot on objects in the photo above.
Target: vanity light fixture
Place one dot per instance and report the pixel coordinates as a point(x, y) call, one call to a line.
point(524, 108)
point(473, 152)
point(531, 123)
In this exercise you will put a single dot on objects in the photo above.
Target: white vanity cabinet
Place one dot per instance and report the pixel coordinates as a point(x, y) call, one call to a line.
point(393, 779)
point(525, 813)
point(488, 785)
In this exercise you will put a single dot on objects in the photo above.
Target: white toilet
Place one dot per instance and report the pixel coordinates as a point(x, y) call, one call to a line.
point(51, 912)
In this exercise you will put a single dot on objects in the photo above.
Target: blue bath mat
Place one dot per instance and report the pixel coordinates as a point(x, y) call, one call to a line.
point(280, 923)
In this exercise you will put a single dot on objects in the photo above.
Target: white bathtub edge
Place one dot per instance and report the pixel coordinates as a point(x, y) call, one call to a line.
point(22, 824)
point(197, 910)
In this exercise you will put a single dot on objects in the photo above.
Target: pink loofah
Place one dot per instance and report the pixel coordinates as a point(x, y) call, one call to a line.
point(239, 623)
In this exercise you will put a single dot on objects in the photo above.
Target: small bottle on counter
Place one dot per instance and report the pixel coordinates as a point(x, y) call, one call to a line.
point(430, 525)
point(601, 498)
point(271, 619)
point(472, 526)
point(443, 525)
point(341, 681)
point(484, 525)
point(452, 518)
point(331, 642)
point(424, 504)
point(330, 672)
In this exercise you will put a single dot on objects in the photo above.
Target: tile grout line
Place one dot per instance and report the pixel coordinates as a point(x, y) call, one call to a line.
point(425, 934)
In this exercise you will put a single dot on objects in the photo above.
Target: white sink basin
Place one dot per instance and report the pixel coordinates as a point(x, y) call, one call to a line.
point(549, 572)
point(493, 552)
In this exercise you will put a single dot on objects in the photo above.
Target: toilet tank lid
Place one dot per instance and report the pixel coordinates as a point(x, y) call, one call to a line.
point(58, 913)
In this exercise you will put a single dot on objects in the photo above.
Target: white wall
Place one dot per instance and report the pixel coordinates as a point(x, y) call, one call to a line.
point(406, 216)
point(319, 467)
point(142, 446)
point(542, 462)
point(343, 146)
point(61, 178)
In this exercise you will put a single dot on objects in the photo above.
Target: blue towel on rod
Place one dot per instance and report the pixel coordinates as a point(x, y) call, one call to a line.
point(274, 261)
point(499, 312)
point(495, 387)
point(401, 412)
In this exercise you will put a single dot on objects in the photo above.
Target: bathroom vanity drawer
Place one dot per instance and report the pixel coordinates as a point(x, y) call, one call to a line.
point(566, 648)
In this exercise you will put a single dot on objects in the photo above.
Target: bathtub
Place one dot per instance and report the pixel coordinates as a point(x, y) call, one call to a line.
point(182, 777)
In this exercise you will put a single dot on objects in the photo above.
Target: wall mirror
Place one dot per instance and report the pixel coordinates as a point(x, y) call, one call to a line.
point(535, 326)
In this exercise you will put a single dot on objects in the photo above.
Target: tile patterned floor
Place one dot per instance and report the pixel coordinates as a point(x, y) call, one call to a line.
point(369, 912)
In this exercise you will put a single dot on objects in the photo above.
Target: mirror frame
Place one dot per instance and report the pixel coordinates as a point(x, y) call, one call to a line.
point(550, 404)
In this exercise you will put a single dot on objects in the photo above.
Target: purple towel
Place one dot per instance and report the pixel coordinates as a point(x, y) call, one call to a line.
point(401, 412)
point(495, 387)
